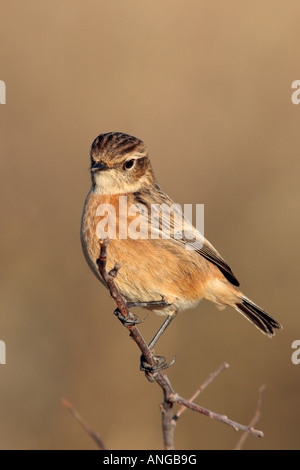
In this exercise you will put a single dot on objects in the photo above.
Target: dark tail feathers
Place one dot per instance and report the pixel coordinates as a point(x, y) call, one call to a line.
point(258, 317)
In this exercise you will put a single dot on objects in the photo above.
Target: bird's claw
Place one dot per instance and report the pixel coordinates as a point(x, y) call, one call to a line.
point(130, 320)
point(160, 363)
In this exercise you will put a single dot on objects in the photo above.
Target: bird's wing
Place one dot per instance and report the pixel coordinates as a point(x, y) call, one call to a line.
point(210, 253)
point(168, 221)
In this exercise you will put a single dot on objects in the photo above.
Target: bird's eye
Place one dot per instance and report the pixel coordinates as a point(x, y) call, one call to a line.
point(129, 164)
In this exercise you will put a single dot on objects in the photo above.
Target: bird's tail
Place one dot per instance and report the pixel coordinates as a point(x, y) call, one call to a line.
point(261, 319)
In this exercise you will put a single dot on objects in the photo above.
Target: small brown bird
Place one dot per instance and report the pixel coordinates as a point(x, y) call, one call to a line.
point(163, 274)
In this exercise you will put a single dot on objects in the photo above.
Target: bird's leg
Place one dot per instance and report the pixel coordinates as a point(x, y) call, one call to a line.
point(153, 303)
point(163, 328)
point(160, 361)
point(132, 320)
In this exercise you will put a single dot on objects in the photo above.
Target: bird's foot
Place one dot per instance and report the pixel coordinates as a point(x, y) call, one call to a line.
point(130, 320)
point(160, 363)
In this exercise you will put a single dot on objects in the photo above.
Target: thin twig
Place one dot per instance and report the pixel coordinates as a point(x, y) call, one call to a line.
point(170, 397)
point(83, 423)
point(202, 387)
point(255, 418)
point(210, 414)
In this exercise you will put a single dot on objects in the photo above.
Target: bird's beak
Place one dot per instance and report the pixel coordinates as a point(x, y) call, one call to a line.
point(99, 166)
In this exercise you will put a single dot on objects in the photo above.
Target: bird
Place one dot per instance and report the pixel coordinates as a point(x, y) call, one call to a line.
point(165, 274)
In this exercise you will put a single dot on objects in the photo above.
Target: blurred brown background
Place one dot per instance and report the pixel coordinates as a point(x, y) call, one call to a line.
point(207, 85)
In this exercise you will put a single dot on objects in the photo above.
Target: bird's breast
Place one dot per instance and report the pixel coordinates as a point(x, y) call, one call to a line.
point(150, 269)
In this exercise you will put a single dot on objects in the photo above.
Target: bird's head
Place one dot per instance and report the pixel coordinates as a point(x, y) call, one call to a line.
point(120, 164)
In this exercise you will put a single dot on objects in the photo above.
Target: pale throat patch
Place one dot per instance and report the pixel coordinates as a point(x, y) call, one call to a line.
point(113, 182)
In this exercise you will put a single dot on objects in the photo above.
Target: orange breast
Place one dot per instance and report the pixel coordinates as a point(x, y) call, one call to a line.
point(150, 269)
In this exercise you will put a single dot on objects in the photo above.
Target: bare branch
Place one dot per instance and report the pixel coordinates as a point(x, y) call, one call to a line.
point(224, 419)
point(255, 418)
point(85, 426)
point(161, 379)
